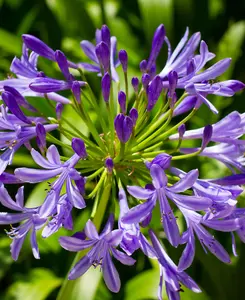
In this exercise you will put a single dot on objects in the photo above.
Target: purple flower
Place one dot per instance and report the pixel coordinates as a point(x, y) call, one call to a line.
point(26, 71)
point(135, 84)
point(53, 167)
point(14, 134)
point(103, 246)
point(132, 238)
point(109, 164)
point(160, 191)
point(90, 50)
point(34, 220)
point(48, 85)
point(40, 48)
point(227, 130)
point(62, 218)
point(124, 127)
point(232, 155)
point(195, 224)
point(170, 273)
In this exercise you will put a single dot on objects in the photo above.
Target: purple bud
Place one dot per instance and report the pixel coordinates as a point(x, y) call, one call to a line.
point(145, 80)
point(41, 137)
point(19, 98)
point(122, 101)
point(123, 57)
point(76, 90)
point(133, 114)
point(80, 183)
point(207, 135)
point(135, 84)
point(103, 55)
point(153, 92)
point(13, 106)
point(106, 86)
point(152, 71)
point(109, 164)
point(157, 42)
point(163, 160)
point(38, 46)
point(173, 101)
point(59, 109)
point(172, 78)
point(63, 64)
point(124, 127)
point(106, 35)
point(181, 131)
point(143, 66)
point(78, 147)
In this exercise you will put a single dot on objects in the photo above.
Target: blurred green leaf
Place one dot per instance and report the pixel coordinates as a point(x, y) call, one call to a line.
point(40, 284)
point(68, 13)
point(28, 20)
point(5, 259)
point(155, 12)
point(215, 7)
point(143, 286)
point(231, 46)
point(10, 42)
point(189, 295)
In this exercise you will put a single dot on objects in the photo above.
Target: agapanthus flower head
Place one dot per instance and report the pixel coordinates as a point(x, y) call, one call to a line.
point(122, 155)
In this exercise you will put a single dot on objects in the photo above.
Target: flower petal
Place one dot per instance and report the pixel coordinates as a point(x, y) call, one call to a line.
point(139, 192)
point(159, 178)
point(188, 253)
point(114, 237)
point(91, 231)
point(80, 268)
point(41, 161)
point(74, 244)
point(122, 257)
point(186, 182)
point(34, 245)
point(110, 274)
point(36, 175)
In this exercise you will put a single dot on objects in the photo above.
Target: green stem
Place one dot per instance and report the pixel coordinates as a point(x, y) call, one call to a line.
point(99, 184)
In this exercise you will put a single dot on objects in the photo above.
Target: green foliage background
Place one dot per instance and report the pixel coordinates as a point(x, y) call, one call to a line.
point(63, 24)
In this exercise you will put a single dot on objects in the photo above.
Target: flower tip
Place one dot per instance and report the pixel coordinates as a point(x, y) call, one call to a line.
point(78, 147)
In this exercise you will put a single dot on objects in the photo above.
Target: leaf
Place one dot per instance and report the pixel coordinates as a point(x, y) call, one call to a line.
point(155, 12)
point(72, 17)
point(10, 42)
point(41, 282)
point(189, 295)
point(5, 259)
point(143, 286)
point(230, 45)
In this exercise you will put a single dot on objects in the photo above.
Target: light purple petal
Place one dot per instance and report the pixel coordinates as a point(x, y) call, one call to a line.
point(159, 178)
point(74, 195)
point(10, 218)
point(188, 253)
point(89, 67)
point(185, 182)
point(89, 50)
point(223, 225)
point(91, 231)
point(36, 175)
point(34, 245)
point(122, 257)
point(53, 155)
point(41, 161)
point(74, 244)
point(139, 212)
point(114, 237)
point(110, 274)
point(108, 226)
point(49, 205)
point(80, 268)
point(7, 201)
point(191, 202)
point(211, 73)
point(139, 192)
point(15, 247)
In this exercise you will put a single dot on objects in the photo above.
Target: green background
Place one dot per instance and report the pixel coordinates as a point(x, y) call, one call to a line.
point(62, 24)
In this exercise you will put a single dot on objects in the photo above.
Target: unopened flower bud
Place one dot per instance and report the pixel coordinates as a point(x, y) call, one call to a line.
point(123, 57)
point(78, 147)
